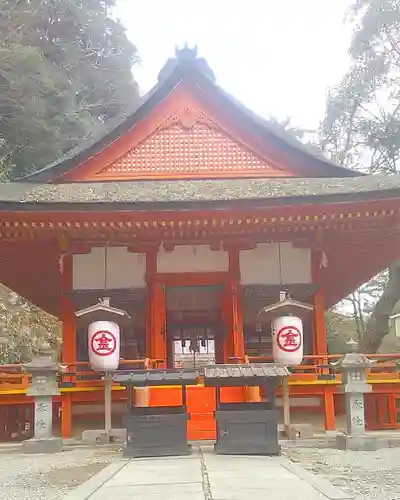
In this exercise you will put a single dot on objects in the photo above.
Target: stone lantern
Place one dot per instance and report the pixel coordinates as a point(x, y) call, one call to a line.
point(354, 368)
point(44, 369)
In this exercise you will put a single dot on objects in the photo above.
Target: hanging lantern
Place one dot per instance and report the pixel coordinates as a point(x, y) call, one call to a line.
point(287, 328)
point(104, 345)
point(287, 340)
point(104, 342)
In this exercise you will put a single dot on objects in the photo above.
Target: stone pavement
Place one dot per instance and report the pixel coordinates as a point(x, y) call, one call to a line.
point(206, 476)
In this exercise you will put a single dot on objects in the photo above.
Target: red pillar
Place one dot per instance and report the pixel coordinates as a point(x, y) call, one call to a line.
point(159, 332)
point(320, 335)
point(320, 344)
point(151, 269)
point(67, 313)
point(156, 347)
point(329, 407)
point(237, 334)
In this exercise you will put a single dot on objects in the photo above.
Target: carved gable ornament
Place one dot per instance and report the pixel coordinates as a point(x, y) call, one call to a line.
point(188, 144)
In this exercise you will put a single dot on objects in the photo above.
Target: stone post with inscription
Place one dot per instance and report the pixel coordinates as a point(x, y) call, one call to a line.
point(354, 367)
point(44, 369)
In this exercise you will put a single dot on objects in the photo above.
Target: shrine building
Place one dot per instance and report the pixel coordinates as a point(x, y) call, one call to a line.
point(193, 214)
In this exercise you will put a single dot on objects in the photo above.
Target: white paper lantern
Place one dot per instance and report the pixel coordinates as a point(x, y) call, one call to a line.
point(287, 340)
point(104, 345)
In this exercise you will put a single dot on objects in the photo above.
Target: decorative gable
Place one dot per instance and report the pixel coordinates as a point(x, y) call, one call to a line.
point(187, 127)
point(188, 144)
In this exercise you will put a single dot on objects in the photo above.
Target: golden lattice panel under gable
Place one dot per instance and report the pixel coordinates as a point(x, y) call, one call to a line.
point(188, 145)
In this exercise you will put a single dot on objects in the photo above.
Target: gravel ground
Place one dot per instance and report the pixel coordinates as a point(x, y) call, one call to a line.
point(49, 477)
point(367, 475)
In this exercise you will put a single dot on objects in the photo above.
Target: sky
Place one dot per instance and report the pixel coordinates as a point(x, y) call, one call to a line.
point(279, 57)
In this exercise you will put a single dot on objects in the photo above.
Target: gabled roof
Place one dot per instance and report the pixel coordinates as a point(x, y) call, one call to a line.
point(186, 66)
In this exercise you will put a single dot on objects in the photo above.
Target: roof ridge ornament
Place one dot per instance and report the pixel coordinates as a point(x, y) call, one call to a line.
point(186, 60)
point(186, 53)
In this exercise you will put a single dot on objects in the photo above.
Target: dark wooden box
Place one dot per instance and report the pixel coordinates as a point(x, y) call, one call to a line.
point(247, 429)
point(156, 431)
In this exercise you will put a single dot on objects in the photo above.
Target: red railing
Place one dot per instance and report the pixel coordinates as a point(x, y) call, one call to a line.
point(316, 365)
point(313, 366)
point(12, 377)
point(79, 373)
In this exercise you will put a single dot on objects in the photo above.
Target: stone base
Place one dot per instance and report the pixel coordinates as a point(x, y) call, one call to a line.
point(99, 436)
point(299, 431)
point(362, 442)
point(369, 441)
point(330, 434)
point(45, 445)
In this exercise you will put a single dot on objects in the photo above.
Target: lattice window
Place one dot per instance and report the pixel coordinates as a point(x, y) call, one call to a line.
point(197, 150)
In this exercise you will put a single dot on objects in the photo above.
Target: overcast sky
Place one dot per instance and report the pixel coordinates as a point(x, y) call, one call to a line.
point(279, 57)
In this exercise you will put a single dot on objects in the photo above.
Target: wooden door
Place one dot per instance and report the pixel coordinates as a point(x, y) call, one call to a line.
point(201, 407)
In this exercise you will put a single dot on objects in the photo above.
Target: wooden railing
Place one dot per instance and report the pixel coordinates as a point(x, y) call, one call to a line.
point(12, 377)
point(386, 365)
point(77, 374)
point(314, 367)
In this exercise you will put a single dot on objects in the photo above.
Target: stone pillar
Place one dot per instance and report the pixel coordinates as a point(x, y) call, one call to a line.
point(354, 367)
point(43, 417)
point(44, 369)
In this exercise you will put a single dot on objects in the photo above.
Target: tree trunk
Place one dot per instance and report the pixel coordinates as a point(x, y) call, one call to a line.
point(378, 324)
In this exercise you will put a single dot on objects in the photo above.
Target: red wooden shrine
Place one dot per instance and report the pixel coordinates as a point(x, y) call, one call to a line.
point(192, 214)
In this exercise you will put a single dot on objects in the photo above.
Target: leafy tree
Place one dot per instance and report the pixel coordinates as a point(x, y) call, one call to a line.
point(65, 70)
point(362, 130)
point(340, 329)
point(23, 328)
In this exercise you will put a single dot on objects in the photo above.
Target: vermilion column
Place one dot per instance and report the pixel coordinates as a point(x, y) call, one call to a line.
point(320, 337)
point(237, 334)
point(156, 311)
point(151, 269)
point(67, 313)
point(320, 334)
point(159, 332)
point(227, 350)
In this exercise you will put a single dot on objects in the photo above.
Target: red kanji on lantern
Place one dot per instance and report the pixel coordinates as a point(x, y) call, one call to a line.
point(103, 343)
point(288, 339)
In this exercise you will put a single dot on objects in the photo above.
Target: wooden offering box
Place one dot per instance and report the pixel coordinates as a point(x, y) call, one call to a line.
point(246, 428)
point(155, 431)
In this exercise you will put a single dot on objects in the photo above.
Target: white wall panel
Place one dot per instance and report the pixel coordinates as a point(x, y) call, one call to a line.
point(260, 266)
point(268, 263)
point(296, 264)
point(88, 270)
point(192, 259)
point(124, 269)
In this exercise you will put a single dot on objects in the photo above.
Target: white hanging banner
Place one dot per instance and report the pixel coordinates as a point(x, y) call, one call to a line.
point(287, 340)
point(104, 345)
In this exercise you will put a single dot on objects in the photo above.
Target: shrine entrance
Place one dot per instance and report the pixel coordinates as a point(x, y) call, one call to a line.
point(195, 330)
